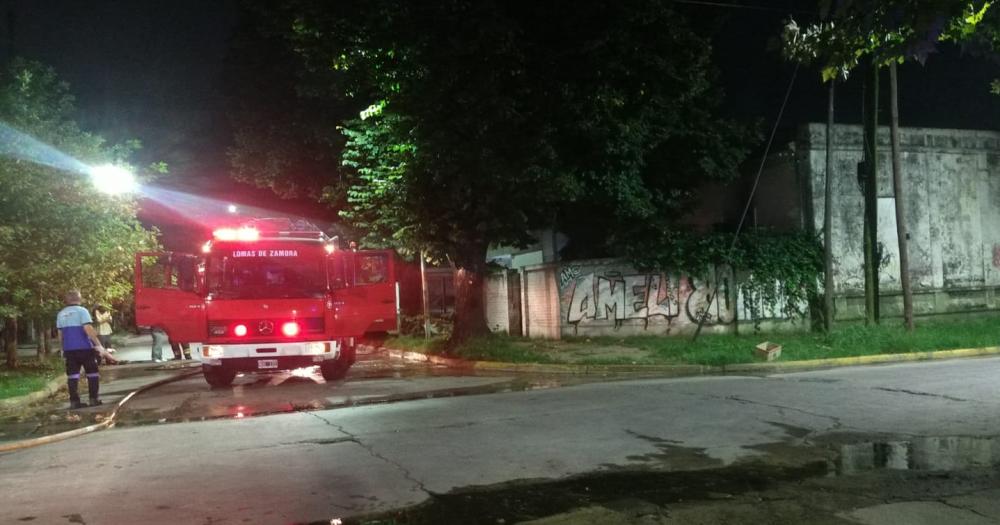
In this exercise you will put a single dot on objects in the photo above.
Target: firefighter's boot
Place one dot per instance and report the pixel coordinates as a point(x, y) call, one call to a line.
point(93, 387)
point(73, 385)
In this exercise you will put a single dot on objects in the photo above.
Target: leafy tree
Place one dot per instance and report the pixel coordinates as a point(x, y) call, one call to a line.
point(481, 121)
point(56, 231)
point(887, 31)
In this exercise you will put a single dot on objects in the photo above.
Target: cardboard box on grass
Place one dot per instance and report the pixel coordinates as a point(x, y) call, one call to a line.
point(767, 351)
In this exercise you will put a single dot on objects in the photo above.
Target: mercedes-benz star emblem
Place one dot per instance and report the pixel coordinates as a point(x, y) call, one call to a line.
point(265, 327)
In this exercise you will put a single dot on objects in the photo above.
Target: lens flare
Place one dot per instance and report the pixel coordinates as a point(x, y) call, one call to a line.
point(111, 179)
point(18, 145)
point(107, 178)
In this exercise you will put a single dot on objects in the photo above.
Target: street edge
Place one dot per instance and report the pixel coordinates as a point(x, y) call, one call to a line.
point(691, 370)
point(55, 384)
point(108, 422)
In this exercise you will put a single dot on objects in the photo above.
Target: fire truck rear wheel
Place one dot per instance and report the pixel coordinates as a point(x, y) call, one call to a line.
point(218, 376)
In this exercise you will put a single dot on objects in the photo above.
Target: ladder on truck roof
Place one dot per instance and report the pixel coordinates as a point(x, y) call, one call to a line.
point(283, 227)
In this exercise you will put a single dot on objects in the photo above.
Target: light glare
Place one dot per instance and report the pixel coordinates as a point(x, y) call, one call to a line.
point(241, 234)
point(112, 179)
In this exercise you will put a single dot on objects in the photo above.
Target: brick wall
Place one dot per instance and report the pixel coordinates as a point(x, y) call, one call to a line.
point(495, 293)
point(541, 302)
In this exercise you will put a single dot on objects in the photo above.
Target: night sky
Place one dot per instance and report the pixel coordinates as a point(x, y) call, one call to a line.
point(153, 70)
point(138, 68)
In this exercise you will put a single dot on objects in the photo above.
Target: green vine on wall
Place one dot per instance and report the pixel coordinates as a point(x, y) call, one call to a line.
point(775, 271)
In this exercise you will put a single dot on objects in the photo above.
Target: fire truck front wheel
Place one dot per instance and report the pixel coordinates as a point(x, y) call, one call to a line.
point(334, 370)
point(337, 370)
point(218, 376)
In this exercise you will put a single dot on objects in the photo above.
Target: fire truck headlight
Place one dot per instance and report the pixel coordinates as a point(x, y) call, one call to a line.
point(316, 348)
point(290, 329)
point(212, 351)
point(240, 330)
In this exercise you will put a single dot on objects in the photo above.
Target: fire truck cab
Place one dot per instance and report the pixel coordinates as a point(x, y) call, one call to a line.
point(273, 294)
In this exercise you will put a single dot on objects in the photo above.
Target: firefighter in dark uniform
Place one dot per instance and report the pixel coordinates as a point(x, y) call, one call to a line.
point(81, 347)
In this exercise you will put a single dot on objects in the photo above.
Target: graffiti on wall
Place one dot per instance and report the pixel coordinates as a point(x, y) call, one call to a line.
point(567, 275)
point(614, 297)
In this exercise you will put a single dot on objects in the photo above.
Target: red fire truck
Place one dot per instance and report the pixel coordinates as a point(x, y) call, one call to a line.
point(272, 294)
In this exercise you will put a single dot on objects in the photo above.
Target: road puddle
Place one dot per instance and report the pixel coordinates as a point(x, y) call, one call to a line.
point(924, 454)
point(757, 487)
point(642, 491)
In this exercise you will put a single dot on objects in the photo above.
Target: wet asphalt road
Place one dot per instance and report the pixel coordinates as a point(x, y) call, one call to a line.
point(374, 379)
point(315, 465)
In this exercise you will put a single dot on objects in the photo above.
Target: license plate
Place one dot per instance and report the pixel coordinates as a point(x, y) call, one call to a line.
point(267, 363)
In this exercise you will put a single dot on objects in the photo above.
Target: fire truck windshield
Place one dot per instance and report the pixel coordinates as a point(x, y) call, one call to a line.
point(266, 273)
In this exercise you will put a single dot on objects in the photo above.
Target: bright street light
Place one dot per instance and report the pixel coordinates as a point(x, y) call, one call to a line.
point(112, 179)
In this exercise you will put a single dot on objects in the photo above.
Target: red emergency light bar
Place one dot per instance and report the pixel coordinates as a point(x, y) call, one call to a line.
point(236, 234)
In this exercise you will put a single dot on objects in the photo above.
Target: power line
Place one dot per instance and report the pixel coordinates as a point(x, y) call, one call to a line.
point(751, 7)
point(753, 191)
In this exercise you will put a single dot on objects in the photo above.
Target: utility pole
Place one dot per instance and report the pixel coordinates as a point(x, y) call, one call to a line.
point(870, 192)
point(828, 218)
point(900, 198)
point(424, 294)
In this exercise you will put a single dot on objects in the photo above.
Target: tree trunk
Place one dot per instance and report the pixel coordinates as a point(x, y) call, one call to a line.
point(470, 312)
point(10, 341)
point(897, 190)
point(43, 339)
point(828, 219)
point(870, 190)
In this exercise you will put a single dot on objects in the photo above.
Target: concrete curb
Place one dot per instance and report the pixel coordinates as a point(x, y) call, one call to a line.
point(108, 422)
point(691, 370)
point(795, 366)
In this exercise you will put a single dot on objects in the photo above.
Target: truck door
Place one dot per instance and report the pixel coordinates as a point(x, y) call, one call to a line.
point(375, 281)
point(369, 293)
point(168, 294)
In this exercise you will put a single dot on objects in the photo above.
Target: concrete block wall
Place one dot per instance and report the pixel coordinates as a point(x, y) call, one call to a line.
point(495, 298)
point(608, 296)
point(952, 197)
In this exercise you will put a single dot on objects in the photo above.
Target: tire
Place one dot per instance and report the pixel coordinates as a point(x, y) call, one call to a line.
point(337, 370)
point(217, 376)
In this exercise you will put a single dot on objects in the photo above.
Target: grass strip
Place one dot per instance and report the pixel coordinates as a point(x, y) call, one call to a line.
point(720, 349)
point(31, 376)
